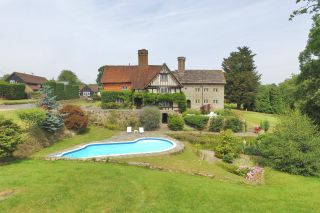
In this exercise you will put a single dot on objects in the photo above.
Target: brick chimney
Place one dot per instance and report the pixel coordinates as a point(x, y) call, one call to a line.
point(143, 58)
point(181, 64)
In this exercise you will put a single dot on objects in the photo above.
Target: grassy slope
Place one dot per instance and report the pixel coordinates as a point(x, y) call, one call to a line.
point(65, 186)
point(254, 118)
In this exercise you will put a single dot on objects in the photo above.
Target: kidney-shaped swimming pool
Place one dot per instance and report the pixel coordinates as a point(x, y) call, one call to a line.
point(139, 146)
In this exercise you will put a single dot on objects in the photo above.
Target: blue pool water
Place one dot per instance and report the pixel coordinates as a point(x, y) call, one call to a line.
point(144, 145)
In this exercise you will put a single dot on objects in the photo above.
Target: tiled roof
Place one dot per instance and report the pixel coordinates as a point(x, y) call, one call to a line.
point(201, 77)
point(30, 79)
point(138, 77)
point(93, 87)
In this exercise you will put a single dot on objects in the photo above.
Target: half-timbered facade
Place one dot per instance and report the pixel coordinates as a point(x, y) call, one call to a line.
point(164, 82)
point(201, 87)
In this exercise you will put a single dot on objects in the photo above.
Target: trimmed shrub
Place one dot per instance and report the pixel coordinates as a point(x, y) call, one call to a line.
point(150, 118)
point(175, 122)
point(12, 91)
point(191, 112)
point(32, 117)
point(9, 137)
point(74, 117)
point(234, 124)
point(216, 124)
point(293, 147)
point(52, 123)
point(71, 92)
point(111, 105)
point(265, 125)
point(228, 148)
point(197, 121)
point(225, 112)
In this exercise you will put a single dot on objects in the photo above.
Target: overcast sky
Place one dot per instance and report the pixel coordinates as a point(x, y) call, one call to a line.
point(46, 36)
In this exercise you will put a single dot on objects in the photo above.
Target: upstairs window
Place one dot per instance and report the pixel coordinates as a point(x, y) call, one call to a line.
point(206, 89)
point(163, 77)
point(215, 89)
point(215, 101)
point(197, 89)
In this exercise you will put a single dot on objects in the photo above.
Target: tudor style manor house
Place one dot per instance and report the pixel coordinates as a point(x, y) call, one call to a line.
point(201, 87)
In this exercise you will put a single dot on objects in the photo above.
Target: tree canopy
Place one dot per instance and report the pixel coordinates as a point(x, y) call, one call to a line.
point(309, 79)
point(69, 76)
point(242, 78)
point(309, 6)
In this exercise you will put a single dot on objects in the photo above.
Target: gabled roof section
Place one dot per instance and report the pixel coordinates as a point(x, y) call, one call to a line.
point(201, 77)
point(92, 87)
point(30, 79)
point(137, 76)
point(164, 66)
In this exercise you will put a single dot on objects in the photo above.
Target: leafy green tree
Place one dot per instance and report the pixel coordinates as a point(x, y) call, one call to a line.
point(293, 147)
point(242, 77)
point(288, 90)
point(269, 100)
point(309, 6)
point(309, 79)
point(99, 76)
point(4, 77)
point(69, 76)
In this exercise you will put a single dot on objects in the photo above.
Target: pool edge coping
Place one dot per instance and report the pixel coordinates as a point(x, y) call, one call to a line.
point(177, 147)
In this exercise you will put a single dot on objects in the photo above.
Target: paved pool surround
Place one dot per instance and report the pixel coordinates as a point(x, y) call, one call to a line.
point(124, 137)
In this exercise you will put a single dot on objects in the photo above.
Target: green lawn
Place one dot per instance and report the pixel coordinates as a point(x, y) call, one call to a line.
point(68, 186)
point(253, 119)
point(14, 102)
point(78, 186)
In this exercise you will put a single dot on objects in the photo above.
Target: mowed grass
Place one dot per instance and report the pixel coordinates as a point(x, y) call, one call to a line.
point(15, 102)
point(68, 186)
point(253, 119)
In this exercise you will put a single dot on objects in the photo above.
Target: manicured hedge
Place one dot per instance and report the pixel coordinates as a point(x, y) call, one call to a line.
point(111, 96)
point(12, 91)
point(175, 122)
point(196, 121)
point(64, 92)
point(71, 92)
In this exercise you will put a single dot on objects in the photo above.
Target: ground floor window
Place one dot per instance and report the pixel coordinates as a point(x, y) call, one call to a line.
point(198, 101)
point(87, 94)
point(165, 104)
point(205, 101)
